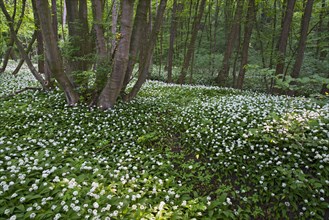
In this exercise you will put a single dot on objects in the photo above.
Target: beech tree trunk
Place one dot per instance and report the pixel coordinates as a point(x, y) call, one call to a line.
point(103, 59)
point(114, 25)
point(191, 47)
point(53, 55)
point(80, 40)
point(148, 50)
point(112, 89)
point(273, 36)
point(54, 19)
point(173, 30)
point(224, 72)
point(140, 27)
point(303, 37)
point(283, 41)
point(246, 40)
point(320, 32)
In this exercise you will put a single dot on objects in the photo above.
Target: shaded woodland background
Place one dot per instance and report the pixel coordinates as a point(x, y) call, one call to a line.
point(94, 49)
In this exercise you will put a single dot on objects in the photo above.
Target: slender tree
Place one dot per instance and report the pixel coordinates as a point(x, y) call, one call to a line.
point(250, 18)
point(11, 42)
point(148, 51)
point(102, 55)
point(79, 38)
point(173, 30)
point(303, 37)
point(114, 25)
point(139, 28)
point(20, 46)
point(53, 55)
point(283, 40)
point(191, 47)
point(224, 71)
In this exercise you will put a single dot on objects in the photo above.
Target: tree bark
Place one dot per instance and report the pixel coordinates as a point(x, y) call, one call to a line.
point(79, 39)
point(12, 40)
point(173, 30)
point(191, 47)
point(53, 56)
point(40, 49)
point(103, 59)
point(303, 37)
point(54, 19)
point(149, 47)
point(246, 40)
point(216, 27)
point(111, 91)
point(273, 35)
point(282, 43)
point(140, 27)
point(320, 32)
point(224, 72)
point(28, 50)
point(20, 47)
point(114, 25)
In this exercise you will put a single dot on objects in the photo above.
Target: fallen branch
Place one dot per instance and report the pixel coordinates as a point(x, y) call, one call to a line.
point(20, 91)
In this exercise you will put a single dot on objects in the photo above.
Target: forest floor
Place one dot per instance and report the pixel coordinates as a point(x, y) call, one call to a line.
point(175, 152)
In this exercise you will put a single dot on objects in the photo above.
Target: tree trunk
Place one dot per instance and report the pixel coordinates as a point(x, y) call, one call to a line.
point(114, 25)
point(20, 47)
point(28, 50)
point(224, 72)
point(173, 30)
point(53, 56)
point(54, 17)
point(140, 27)
point(63, 18)
point(111, 91)
point(12, 40)
point(191, 47)
point(246, 40)
point(303, 37)
point(320, 54)
point(148, 50)
point(273, 35)
point(216, 27)
point(40, 49)
point(79, 39)
point(282, 43)
point(102, 62)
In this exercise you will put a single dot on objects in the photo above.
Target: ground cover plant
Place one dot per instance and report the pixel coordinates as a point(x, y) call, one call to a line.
point(176, 152)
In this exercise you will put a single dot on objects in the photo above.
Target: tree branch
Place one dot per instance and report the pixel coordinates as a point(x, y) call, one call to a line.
point(20, 91)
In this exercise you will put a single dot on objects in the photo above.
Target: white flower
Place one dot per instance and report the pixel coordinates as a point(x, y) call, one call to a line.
point(57, 216)
point(13, 217)
point(7, 211)
point(161, 205)
point(32, 215)
point(96, 206)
